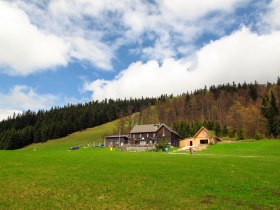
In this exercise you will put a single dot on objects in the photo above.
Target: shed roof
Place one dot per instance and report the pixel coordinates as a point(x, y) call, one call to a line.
point(210, 133)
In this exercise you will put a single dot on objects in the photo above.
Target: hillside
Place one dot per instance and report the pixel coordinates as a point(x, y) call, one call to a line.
point(92, 136)
point(231, 110)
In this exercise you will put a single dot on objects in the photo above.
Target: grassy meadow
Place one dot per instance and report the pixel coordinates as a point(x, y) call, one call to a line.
point(243, 175)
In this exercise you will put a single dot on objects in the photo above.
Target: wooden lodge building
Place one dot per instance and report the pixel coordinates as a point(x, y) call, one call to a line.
point(149, 134)
point(203, 136)
point(153, 134)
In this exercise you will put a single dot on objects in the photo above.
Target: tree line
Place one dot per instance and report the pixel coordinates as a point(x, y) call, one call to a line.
point(231, 110)
point(33, 127)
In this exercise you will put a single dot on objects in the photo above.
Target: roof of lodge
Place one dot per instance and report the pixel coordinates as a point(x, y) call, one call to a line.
point(150, 128)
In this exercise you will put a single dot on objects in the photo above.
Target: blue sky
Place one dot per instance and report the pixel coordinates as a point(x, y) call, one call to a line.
point(57, 52)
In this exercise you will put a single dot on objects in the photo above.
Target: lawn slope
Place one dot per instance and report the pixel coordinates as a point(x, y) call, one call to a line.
point(88, 136)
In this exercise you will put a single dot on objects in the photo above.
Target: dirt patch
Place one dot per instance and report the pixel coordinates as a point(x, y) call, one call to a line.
point(256, 207)
point(277, 193)
point(208, 199)
point(240, 203)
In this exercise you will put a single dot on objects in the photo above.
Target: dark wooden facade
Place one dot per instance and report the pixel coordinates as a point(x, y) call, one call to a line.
point(116, 140)
point(153, 134)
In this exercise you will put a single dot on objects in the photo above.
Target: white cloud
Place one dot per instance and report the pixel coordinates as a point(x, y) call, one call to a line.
point(24, 48)
point(141, 79)
point(24, 98)
point(21, 98)
point(162, 49)
point(57, 32)
point(241, 56)
point(194, 9)
point(273, 17)
point(97, 53)
point(5, 113)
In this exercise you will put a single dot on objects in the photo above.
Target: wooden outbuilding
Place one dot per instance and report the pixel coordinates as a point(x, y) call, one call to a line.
point(203, 136)
point(116, 140)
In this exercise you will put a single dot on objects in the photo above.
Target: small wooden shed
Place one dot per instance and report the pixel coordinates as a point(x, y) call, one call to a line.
point(115, 140)
point(203, 136)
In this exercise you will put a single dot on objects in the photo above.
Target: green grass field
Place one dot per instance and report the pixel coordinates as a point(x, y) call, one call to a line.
point(241, 175)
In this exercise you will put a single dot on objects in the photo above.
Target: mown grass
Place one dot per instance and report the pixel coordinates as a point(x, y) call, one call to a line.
point(227, 176)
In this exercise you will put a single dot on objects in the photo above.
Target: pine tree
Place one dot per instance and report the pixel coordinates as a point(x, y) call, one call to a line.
point(225, 131)
point(271, 111)
point(253, 91)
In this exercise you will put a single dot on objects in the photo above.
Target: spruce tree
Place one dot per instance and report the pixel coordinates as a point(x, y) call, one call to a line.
point(270, 110)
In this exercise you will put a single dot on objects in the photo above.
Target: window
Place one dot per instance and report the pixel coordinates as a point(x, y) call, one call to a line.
point(204, 141)
point(142, 142)
point(163, 133)
point(147, 134)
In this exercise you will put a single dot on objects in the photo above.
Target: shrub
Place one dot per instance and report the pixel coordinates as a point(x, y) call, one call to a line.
point(258, 136)
point(162, 144)
point(240, 134)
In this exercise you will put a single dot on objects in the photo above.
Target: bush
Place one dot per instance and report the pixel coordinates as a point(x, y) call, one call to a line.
point(232, 134)
point(161, 145)
point(258, 136)
point(240, 135)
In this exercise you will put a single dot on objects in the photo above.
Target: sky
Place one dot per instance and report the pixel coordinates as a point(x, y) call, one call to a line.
point(55, 52)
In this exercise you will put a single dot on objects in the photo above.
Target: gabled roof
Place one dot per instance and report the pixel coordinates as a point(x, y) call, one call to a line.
point(150, 128)
point(172, 131)
point(211, 134)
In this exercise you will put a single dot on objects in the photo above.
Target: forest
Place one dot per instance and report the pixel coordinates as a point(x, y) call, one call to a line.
point(230, 110)
point(33, 127)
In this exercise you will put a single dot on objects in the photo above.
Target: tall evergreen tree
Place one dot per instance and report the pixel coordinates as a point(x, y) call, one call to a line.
point(253, 91)
point(270, 110)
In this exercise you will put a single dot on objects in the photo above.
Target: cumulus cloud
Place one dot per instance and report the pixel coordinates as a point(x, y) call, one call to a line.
point(194, 9)
point(5, 113)
point(241, 56)
point(23, 98)
point(142, 79)
point(24, 48)
point(56, 32)
point(273, 17)
point(97, 53)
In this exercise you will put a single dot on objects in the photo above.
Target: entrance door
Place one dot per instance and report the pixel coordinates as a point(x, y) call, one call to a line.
point(190, 143)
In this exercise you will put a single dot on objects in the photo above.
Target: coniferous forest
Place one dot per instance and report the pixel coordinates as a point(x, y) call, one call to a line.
point(230, 110)
point(33, 127)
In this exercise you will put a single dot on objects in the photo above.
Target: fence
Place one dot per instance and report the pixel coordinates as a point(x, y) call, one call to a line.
point(138, 147)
